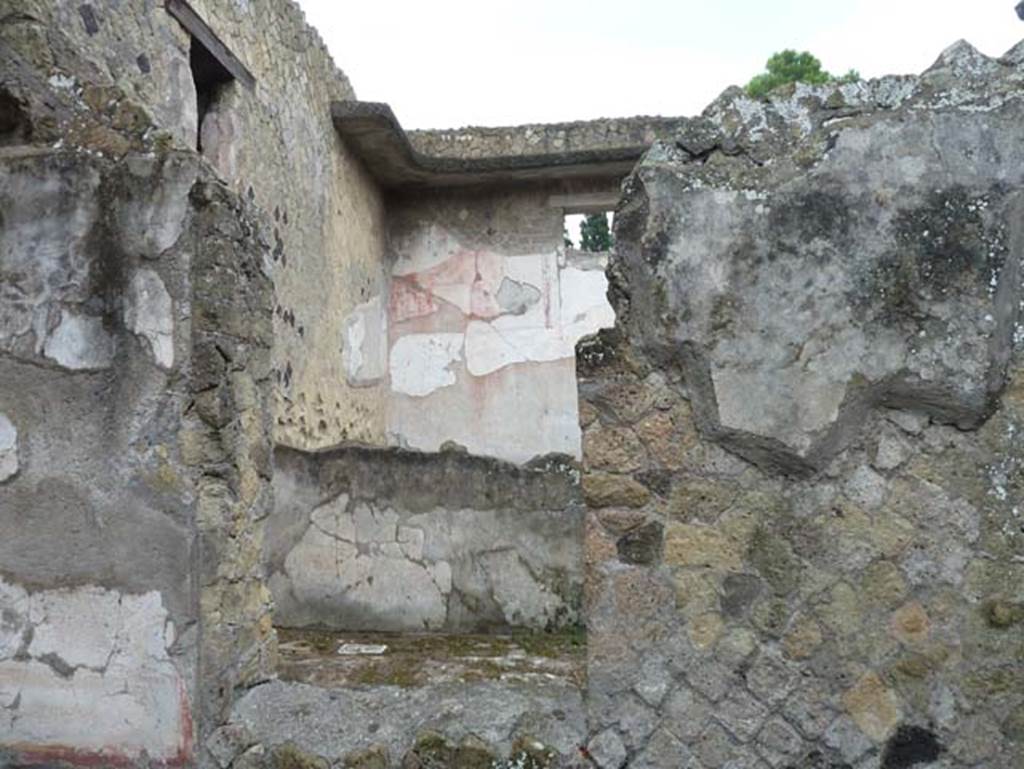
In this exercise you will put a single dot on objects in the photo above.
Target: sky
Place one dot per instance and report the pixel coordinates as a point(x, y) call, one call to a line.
point(451, 63)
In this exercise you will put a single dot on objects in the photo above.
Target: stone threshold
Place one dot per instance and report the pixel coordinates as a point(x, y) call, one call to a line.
point(512, 701)
point(333, 659)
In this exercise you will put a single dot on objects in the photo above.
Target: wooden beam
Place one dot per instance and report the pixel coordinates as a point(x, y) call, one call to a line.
point(586, 202)
point(200, 30)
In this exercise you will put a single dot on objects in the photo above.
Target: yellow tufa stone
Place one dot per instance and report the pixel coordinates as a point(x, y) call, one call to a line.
point(692, 545)
point(699, 499)
point(619, 521)
point(612, 448)
point(705, 630)
point(608, 490)
point(841, 610)
point(695, 592)
point(883, 584)
point(1013, 398)
point(873, 706)
point(668, 435)
point(910, 624)
point(803, 638)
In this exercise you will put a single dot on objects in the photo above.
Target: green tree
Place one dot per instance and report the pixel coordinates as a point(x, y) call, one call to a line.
point(594, 233)
point(791, 67)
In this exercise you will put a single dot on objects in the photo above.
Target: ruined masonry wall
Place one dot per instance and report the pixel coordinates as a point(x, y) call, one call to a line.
point(802, 451)
point(128, 307)
point(400, 541)
point(94, 352)
point(275, 144)
point(135, 437)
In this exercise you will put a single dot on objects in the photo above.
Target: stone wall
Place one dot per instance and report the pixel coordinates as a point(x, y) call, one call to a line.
point(275, 144)
point(401, 541)
point(93, 388)
point(226, 436)
point(328, 233)
point(485, 309)
point(802, 442)
point(801, 453)
point(135, 364)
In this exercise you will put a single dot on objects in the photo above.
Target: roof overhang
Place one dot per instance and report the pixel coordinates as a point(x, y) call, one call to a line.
point(371, 131)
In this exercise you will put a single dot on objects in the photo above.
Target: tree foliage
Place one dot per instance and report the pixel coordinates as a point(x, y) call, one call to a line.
point(594, 233)
point(789, 66)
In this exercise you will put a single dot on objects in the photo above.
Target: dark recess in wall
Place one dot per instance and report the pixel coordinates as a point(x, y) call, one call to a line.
point(911, 746)
point(210, 77)
point(14, 123)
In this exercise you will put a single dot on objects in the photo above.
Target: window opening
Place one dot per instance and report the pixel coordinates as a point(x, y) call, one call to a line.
point(210, 78)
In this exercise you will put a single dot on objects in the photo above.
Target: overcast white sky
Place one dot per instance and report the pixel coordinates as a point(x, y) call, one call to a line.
point(448, 63)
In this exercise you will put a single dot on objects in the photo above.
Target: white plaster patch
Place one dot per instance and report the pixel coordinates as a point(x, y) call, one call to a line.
point(96, 676)
point(331, 575)
point(148, 313)
point(488, 350)
point(523, 600)
point(583, 306)
point(80, 342)
point(515, 310)
point(541, 335)
point(45, 251)
point(456, 294)
point(150, 224)
point(364, 344)
point(57, 619)
point(13, 620)
point(802, 402)
point(420, 363)
point(8, 448)
point(410, 539)
point(537, 270)
point(384, 569)
point(334, 519)
point(522, 411)
point(377, 526)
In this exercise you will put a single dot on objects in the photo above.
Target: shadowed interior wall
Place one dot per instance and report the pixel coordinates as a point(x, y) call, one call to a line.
point(486, 306)
point(402, 541)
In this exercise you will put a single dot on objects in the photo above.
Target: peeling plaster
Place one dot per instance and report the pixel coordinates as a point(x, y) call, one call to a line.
point(150, 225)
point(451, 304)
point(148, 313)
point(80, 342)
point(347, 560)
point(373, 566)
point(89, 667)
point(421, 363)
point(8, 448)
point(516, 298)
point(364, 344)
